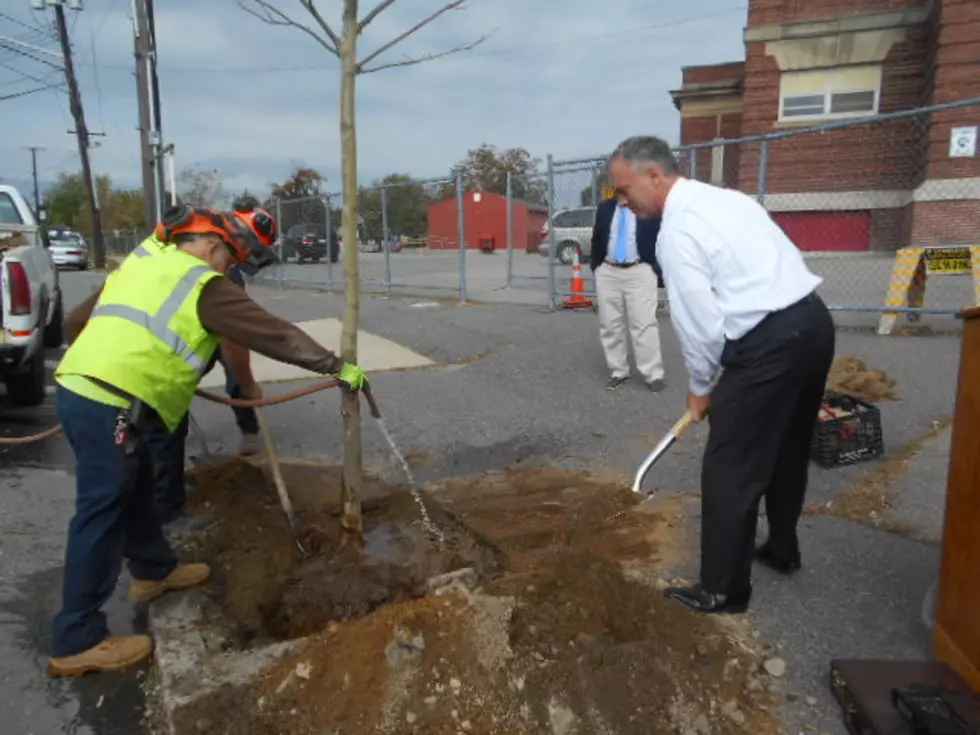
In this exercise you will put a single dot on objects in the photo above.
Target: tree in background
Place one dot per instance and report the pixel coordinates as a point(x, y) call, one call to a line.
point(406, 205)
point(343, 46)
point(301, 199)
point(67, 206)
point(590, 198)
point(485, 168)
point(199, 187)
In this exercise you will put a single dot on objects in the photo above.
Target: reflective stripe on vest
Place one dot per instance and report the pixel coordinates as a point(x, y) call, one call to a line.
point(159, 324)
point(141, 252)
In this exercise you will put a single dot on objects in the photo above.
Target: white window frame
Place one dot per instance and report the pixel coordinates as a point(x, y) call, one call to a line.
point(832, 85)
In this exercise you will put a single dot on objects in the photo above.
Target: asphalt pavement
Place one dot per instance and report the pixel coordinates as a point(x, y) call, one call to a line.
point(513, 386)
point(36, 504)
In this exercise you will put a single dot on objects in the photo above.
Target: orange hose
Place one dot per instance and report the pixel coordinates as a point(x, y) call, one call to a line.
point(235, 402)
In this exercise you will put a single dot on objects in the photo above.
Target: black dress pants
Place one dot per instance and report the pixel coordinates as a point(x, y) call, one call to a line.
point(762, 417)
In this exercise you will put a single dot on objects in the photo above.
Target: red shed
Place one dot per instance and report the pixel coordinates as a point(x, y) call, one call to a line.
point(485, 215)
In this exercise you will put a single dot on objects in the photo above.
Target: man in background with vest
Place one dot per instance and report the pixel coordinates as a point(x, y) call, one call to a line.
point(145, 345)
point(624, 261)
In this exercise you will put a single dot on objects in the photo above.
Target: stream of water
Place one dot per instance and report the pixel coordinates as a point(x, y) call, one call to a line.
point(427, 523)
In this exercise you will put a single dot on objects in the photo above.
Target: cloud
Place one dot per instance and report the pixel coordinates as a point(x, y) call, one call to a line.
point(252, 99)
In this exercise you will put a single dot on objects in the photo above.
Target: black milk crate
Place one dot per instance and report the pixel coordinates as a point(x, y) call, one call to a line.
point(848, 430)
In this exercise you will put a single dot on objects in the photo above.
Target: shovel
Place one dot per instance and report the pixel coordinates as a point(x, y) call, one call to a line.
point(287, 506)
point(673, 435)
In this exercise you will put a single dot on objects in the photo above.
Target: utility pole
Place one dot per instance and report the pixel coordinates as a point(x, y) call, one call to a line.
point(148, 92)
point(81, 132)
point(37, 192)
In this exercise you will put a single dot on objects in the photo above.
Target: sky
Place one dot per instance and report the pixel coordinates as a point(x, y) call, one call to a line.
point(252, 101)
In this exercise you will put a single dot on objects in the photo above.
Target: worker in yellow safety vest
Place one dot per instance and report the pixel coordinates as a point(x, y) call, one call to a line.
point(167, 449)
point(146, 340)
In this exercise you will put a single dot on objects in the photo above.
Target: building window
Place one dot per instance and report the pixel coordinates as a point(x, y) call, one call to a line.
point(850, 91)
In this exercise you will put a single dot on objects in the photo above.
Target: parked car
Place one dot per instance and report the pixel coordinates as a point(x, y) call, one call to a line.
point(68, 249)
point(308, 241)
point(32, 309)
point(573, 232)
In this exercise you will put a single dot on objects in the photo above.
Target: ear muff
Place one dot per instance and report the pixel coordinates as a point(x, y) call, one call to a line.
point(175, 218)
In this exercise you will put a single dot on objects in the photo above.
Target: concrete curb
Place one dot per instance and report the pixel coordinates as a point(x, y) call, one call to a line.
point(191, 658)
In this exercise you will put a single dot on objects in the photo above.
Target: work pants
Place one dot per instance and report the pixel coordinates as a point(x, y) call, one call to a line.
point(762, 417)
point(628, 308)
point(114, 519)
point(167, 452)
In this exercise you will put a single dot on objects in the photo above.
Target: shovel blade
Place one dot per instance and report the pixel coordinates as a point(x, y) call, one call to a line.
point(650, 461)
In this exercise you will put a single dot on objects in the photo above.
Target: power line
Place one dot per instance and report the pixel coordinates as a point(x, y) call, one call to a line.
point(15, 95)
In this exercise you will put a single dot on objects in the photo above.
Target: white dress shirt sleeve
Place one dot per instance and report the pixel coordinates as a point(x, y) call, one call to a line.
point(693, 310)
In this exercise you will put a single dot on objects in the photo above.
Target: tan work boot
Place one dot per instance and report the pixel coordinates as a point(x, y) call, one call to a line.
point(112, 654)
point(183, 577)
point(250, 445)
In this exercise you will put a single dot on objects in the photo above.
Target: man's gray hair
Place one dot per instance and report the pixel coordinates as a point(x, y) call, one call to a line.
point(646, 150)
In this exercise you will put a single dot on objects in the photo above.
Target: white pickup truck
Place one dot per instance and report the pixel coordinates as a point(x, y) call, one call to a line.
point(31, 309)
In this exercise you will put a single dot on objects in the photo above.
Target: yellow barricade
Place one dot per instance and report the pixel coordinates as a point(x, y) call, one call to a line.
point(908, 283)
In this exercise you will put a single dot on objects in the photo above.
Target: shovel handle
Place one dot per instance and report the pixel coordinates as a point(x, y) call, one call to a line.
point(682, 425)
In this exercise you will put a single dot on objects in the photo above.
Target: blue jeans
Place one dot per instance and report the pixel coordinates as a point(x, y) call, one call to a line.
point(167, 451)
point(114, 519)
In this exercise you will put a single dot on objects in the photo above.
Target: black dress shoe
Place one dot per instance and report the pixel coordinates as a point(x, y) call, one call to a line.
point(766, 557)
point(697, 598)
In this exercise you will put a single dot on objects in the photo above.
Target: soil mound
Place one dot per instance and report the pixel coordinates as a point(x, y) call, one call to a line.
point(534, 629)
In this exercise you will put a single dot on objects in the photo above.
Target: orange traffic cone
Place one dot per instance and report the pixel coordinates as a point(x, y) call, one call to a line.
point(578, 299)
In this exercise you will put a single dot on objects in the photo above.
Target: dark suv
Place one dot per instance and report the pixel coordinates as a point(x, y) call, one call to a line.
point(308, 241)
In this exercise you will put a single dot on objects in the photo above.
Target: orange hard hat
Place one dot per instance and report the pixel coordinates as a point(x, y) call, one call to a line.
point(184, 220)
point(240, 239)
point(259, 222)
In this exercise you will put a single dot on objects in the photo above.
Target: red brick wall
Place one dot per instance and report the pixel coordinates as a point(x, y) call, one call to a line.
point(713, 73)
point(956, 76)
point(881, 156)
point(945, 223)
point(766, 12)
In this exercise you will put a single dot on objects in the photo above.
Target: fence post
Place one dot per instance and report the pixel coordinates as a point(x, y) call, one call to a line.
point(461, 226)
point(692, 164)
point(763, 171)
point(385, 240)
point(552, 242)
point(510, 230)
point(595, 191)
point(282, 235)
point(328, 224)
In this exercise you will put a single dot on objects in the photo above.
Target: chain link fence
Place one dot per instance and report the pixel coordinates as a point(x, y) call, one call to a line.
point(879, 206)
point(409, 235)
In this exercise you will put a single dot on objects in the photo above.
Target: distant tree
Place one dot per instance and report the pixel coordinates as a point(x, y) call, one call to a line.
point(199, 187)
point(302, 182)
point(602, 181)
point(486, 168)
point(406, 205)
point(65, 200)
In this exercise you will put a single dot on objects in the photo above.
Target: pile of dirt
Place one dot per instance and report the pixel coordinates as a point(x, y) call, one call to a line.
point(547, 636)
point(260, 579)
point(850, 376)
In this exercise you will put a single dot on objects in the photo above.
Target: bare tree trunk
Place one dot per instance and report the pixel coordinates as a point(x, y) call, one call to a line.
point(353, 481)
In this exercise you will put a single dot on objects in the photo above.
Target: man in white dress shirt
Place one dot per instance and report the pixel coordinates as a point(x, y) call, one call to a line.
point(757, 342)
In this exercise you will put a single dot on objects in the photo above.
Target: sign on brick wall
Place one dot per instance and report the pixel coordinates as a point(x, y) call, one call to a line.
point(962, 142)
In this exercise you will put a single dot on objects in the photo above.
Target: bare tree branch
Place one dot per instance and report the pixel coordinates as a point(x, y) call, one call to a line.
point(362, 66)
point(422, 59)
point(378, 10)
point(311, 9)
point(275, 17)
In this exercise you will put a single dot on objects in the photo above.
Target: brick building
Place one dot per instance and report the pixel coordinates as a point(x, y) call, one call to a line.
point(810, 62)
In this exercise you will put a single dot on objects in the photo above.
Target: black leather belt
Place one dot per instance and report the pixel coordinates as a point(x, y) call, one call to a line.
point(623, 265)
